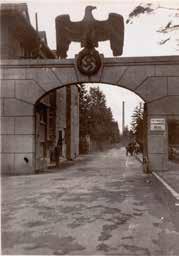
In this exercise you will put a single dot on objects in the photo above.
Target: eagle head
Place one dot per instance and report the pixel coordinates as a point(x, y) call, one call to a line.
point(88, 12)
point(89, 8)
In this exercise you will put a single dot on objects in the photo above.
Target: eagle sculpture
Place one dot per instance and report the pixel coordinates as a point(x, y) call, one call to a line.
point(89, 31)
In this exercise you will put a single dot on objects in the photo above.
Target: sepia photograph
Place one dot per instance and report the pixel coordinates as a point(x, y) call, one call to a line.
point(89, 95)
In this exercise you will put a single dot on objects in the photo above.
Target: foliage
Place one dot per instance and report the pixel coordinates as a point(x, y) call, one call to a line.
point(96, 119)
point(167, 29)
point(173, 132)
point(137, 124)
point(84, 110)
point(137, 11)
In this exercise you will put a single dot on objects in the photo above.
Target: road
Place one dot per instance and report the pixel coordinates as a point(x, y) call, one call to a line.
point(102, 205)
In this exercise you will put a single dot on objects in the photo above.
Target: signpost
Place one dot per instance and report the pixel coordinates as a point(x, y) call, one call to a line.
point(157, 124)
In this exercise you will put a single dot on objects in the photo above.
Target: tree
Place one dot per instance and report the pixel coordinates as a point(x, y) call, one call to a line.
point(137, 11)
point(137, 124)
point(173, 132)
point(84, 110)
point(101, 116)
point(115, 136)
point(96, 119)
point(103, 128)
point(171, 25)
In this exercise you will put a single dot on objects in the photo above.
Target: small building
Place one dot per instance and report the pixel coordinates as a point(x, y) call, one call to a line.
point(56, 115)
point(57, 123)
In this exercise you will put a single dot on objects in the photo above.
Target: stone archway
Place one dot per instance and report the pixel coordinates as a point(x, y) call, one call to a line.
point(154, 79)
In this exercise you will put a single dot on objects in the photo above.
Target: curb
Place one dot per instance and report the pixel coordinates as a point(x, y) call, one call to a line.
point(174, 193)
point(168, 196)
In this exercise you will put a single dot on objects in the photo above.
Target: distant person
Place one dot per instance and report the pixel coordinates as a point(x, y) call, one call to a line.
point(137, 148)
point(57, 155)
point(58, 151)
point(130, 149)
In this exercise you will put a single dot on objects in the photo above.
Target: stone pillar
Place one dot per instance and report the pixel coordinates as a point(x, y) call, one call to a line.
point(68, 123)
point(72, 122)
point(157, 143)
point(18, 95)
point(17, 131)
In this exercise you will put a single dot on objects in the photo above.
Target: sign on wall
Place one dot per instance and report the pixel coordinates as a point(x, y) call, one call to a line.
point(157, 124)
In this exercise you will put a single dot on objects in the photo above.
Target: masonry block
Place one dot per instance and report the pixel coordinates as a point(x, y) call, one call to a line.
point(24, 125)
point(2, 106)
point(157, 144)
point(153, 88)
point(158, 162)
point(45, 77)
point(24, 163)
point(7, 163)
point(66, 75)
point(7, 125)
point(167, 70)
point(17, 143)
point(28, 91)
point(15, 107)
point(112, 75)
point(173, 85)
point(7, 88)
point(167, 106)
point(13, 73)
point(134, 76)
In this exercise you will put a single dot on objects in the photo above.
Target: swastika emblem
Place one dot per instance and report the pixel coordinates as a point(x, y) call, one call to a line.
point(88, 61)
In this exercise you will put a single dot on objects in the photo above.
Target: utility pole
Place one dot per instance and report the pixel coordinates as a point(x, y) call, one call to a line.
point(36, 22)
point(123, 117)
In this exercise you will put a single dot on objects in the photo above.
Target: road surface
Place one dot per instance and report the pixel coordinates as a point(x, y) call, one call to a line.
point(102, 205)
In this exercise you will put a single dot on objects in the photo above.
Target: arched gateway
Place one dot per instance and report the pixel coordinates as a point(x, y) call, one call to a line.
point(154, 79)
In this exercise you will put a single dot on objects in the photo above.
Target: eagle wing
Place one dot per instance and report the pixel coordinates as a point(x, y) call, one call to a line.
point(113, 30)
point(67, 31)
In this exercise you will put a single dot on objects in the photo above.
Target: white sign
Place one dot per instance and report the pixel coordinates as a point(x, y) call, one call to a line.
point(157, 124)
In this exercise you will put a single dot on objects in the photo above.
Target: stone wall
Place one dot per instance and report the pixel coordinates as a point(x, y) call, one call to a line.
point(17, 128)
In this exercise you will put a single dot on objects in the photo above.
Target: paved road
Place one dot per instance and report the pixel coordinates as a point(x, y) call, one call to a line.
point(103, 205)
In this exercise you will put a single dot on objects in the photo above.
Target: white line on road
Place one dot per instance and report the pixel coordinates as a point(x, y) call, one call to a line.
point(172, 191)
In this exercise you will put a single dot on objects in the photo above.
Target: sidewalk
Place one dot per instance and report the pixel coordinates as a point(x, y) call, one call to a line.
point(167, 185)
point(170, 178)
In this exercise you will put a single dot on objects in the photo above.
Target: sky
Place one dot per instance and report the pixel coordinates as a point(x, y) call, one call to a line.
point(141, 38)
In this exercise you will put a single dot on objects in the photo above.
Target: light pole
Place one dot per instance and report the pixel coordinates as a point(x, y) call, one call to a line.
point(123, 117)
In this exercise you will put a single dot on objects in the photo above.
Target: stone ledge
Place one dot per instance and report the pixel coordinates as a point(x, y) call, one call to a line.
point(148, 60)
